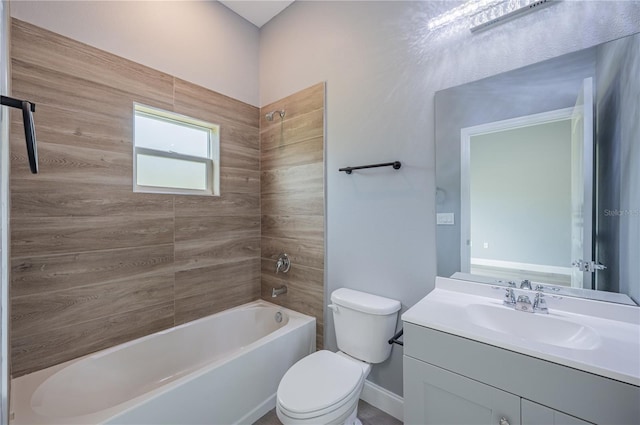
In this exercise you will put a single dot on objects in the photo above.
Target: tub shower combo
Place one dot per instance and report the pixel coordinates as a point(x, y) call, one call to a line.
point(224, 368)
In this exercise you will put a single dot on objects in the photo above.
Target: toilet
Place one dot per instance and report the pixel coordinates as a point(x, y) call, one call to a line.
point(324, 387)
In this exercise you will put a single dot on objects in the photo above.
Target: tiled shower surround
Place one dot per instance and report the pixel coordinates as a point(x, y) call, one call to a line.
point(94, 264)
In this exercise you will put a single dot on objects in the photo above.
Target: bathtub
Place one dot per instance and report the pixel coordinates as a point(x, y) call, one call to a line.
point(221, 369)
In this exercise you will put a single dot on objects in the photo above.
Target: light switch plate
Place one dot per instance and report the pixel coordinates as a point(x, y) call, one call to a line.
point(445, 218)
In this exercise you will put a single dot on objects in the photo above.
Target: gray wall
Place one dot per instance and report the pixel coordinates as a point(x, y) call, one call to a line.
point(521, 195)
point(202, 42)
point(382, 69)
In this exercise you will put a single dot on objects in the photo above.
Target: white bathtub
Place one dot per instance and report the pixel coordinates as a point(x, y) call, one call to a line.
point(221, 369)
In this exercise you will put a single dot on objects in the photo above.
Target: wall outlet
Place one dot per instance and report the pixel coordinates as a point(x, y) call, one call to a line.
point(445, 218)
point(485, 245)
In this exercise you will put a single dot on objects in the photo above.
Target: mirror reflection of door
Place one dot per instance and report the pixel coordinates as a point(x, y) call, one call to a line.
point(522, 211)
point(582, 186)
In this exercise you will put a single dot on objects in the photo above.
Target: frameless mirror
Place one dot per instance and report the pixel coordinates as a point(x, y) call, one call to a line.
point(538, 175)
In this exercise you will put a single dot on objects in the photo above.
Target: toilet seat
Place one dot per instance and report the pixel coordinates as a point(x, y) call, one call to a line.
point(319, 384)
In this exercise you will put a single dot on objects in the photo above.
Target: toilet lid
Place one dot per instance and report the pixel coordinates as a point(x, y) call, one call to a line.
point(318, 381)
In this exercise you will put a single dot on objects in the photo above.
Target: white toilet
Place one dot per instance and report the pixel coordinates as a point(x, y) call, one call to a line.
point(324, 387)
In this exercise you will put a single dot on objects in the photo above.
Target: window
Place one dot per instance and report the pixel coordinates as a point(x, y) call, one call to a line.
point(173, 153)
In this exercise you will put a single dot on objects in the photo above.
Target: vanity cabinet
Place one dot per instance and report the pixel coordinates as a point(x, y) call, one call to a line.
point(449, 379)
point(436, 396)
point(433, 395)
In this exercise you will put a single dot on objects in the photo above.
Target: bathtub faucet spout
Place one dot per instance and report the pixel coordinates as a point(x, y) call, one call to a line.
point(279, 291)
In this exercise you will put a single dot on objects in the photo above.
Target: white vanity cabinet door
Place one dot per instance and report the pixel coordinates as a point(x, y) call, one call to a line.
point(434, 395)
point(537, 414)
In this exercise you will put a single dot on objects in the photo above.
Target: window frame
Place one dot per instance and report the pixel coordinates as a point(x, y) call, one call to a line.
point(212, 163)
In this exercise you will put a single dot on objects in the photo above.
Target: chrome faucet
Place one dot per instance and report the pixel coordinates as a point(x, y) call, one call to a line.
point(278, 291)
point(539, 304)
point(525, 284)
point(524, 304)
point(509, 298)
point(283, 264)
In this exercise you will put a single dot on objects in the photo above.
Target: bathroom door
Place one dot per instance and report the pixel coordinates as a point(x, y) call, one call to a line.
point(582, 186)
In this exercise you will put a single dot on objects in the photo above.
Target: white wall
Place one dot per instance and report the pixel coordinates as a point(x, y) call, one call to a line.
point(382, 68)
point(199, 41)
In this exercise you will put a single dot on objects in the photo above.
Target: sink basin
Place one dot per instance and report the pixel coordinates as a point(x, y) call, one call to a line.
point(592, 336)
point(544, 329)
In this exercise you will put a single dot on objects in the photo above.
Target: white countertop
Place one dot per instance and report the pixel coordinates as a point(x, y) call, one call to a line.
point(614, 353)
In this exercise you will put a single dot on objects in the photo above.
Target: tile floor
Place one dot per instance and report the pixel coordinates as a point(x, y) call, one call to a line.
point(368, 414)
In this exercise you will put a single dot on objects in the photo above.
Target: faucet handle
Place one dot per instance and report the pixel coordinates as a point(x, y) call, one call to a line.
point(540, 304)
point(525, 284)
point(509, 298)
point(283, 264)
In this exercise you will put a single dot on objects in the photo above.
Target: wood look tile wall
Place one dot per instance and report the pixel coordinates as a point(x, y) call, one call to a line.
point(292, 201)
point(94, 264)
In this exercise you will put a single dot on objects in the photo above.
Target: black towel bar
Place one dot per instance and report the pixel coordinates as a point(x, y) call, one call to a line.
point(395, 164)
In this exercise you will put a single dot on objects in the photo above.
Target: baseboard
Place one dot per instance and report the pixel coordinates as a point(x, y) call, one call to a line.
point(383, 399)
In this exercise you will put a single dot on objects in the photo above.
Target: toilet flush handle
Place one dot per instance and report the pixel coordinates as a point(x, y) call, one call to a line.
point(333, 307)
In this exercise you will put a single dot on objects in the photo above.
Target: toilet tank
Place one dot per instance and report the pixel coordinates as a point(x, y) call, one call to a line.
point(364, 323)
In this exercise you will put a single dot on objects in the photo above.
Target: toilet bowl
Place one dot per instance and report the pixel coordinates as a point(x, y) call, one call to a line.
point(324, 388)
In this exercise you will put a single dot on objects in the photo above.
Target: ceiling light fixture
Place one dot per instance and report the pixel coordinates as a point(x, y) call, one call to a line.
point(482, 14)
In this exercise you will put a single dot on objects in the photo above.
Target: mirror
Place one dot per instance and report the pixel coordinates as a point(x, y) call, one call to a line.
point(538, 175)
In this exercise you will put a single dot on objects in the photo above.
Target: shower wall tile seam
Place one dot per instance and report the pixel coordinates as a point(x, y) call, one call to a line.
point(111, 96)
point(95, 284)
point(97, 318)
point(67, 317)
point(24, 257)
point(60, 52)
point(212, 216)
point(312, 191)
point(291, 143)
point(298, 266)
point(73, 242)
point(253, 281)
point(103, 341)
point(173, 274)
point(38, 275)
point(84, 149)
